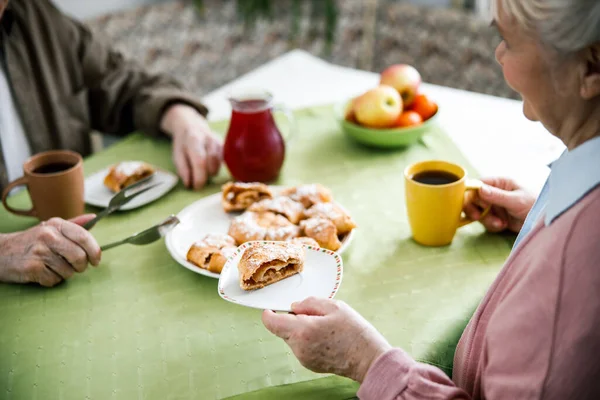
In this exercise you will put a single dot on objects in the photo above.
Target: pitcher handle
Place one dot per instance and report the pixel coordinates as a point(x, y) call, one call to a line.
point(289, 115)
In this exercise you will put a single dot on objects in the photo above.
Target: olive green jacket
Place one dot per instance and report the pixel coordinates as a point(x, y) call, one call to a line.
point(66, 82)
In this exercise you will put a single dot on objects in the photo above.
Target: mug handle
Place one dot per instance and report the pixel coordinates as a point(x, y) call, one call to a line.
point(289, 115)
point(473, 184)
point(19, 182)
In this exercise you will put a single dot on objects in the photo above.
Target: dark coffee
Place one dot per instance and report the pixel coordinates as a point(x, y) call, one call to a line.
point(435, 177)
point(52, 168)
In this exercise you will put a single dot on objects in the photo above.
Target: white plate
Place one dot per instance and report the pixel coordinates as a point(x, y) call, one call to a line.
point(321, 277)
point(96, 194)
point(201, 218)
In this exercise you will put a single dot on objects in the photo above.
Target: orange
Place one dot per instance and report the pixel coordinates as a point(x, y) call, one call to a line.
point(424, 106)
point(409, 118)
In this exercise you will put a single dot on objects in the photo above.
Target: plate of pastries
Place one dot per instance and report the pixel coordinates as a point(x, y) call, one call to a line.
point(273, 275)
point(213, 228)
point(103, 185)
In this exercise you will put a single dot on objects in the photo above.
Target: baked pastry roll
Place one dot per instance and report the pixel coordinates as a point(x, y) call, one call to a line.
point(309, 194)
point(211, 253)
point(252, 226)
point(305, 240)
point(239, 196)
point(266, 263)
point(282, 205)
point(127, 173)
point(323, 231)
point(343, 222)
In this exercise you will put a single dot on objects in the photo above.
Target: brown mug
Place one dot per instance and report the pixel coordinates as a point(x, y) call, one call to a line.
point(54, 180)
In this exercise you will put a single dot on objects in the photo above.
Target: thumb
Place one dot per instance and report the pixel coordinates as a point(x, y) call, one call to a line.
point(497, 197)
point(82, 219)
point(280, 325)
point(315, 306)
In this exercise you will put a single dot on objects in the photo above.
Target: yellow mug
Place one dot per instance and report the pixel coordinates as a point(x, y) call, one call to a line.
point(435, 192)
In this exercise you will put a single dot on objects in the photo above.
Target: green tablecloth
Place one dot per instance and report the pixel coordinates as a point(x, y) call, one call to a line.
point(140, 326)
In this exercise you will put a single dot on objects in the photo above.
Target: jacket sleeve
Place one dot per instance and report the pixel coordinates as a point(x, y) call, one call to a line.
point(122, 96)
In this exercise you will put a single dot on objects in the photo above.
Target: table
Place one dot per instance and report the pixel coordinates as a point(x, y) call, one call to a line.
point(142, 327)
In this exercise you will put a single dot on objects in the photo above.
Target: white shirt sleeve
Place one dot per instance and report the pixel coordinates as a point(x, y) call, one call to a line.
point(15, 146)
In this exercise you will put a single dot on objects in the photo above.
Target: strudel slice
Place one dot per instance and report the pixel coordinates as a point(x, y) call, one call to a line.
point(266, 263)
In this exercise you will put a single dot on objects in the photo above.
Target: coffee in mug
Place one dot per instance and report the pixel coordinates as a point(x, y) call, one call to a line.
point(54, 180)
point(435, 193)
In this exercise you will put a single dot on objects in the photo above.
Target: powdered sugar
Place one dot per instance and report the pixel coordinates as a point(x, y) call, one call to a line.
point(215, 240)
point(281, 205)
point(316, 224)
point(267, 226)
point(329, 210)
point(129, 168)
point(307, 190)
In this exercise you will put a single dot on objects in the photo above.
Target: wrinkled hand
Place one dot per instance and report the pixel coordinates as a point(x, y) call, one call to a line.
point(48, 253)
point(197, 151)
point(328, 336)
point(510, 205)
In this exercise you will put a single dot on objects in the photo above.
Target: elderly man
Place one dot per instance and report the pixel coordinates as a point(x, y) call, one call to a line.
point(58, 82)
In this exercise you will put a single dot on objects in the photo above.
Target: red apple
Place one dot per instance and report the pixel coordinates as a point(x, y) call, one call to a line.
point(405, 79)
point(378, 107)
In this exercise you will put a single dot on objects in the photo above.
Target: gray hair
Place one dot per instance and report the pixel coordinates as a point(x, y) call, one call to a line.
point(566, 26)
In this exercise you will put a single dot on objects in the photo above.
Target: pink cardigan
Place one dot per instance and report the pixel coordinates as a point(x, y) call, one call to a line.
point(535, 335)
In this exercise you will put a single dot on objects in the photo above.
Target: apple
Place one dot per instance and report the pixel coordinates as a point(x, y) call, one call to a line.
point(349, 114)
point(405, 79)
point(378, 107)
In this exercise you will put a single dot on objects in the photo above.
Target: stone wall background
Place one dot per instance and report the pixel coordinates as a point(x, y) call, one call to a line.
point(450, 47)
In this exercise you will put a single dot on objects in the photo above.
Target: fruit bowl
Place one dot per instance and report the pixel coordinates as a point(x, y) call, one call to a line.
point(383, 138)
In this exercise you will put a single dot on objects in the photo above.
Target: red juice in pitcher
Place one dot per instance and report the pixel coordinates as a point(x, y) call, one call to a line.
point(254, 149)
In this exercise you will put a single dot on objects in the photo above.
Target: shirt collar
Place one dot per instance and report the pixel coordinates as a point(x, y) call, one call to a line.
point(573, 175)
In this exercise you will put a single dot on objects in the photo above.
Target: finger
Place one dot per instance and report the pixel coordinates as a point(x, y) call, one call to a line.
point(473, 205)
point(197, 159)
point(72, 254)
point(48, 277)
point(315, 306)
point(498, 197)
point(481, 204)
point(80, 237)
point(215, 156)
point(281, 325)
point(501, 183)
point(60, 265)
point(181, 164)
point(472, 212)
point(496, 221)
point(83, 219)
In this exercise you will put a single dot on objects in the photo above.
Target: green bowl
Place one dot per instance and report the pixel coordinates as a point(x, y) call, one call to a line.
point(384, 138)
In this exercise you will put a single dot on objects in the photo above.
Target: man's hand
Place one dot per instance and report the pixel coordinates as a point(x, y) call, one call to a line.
point(48, 253)
point(197, 151)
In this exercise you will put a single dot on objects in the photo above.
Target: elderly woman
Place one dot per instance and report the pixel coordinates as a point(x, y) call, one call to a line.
point(536, 333)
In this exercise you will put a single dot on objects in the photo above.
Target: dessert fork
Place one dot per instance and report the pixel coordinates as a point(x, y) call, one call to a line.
point(120, 199)
point(148, 236)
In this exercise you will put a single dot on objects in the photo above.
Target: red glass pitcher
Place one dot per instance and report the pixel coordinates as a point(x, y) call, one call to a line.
point(254, 148)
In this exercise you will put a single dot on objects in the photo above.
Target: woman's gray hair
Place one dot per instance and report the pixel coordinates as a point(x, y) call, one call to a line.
point(566, 26)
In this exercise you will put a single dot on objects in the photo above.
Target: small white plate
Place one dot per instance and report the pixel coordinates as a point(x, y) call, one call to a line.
point(96, 194)
point(201, 218)
point(321, 277)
